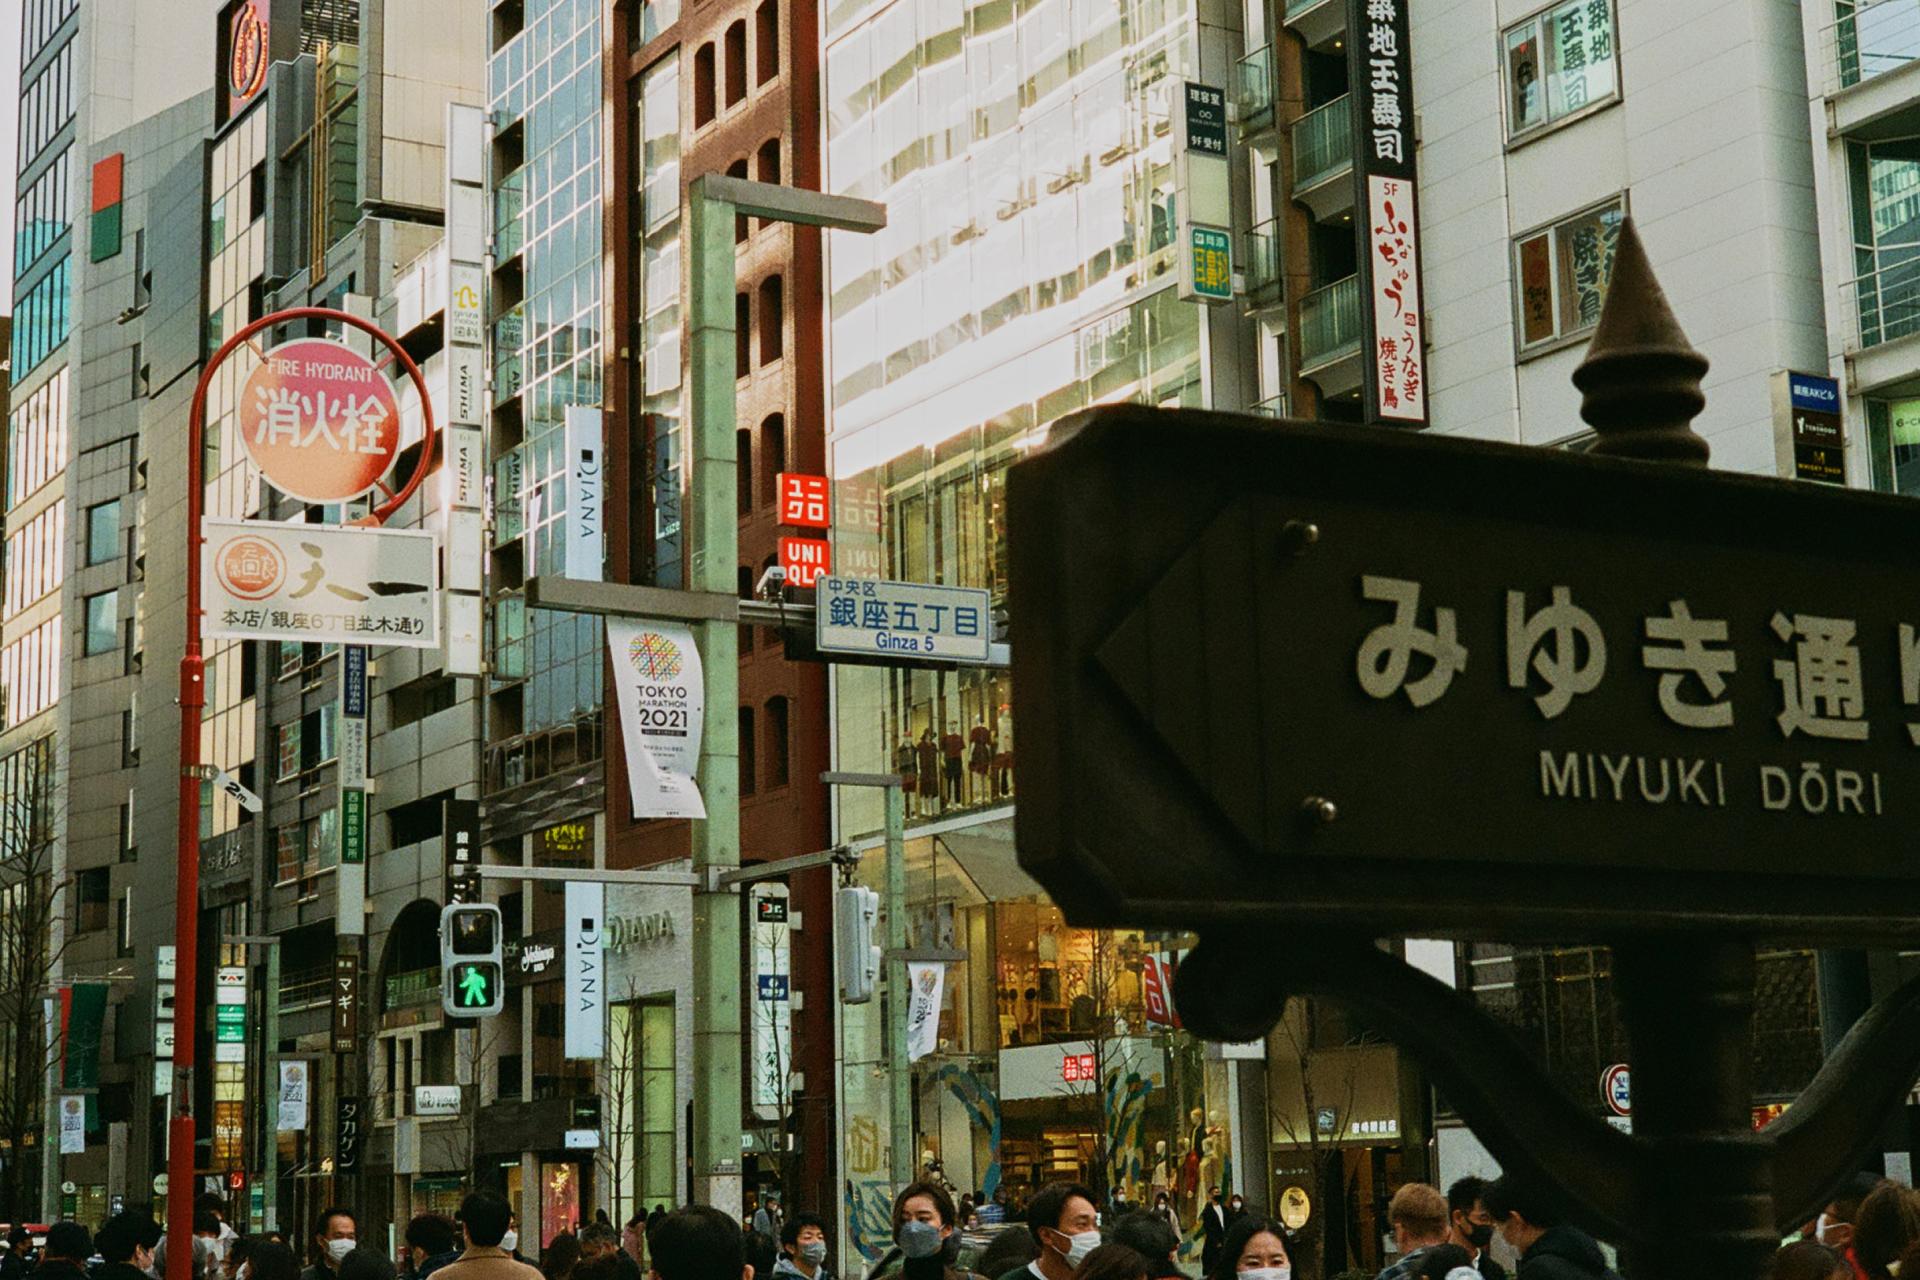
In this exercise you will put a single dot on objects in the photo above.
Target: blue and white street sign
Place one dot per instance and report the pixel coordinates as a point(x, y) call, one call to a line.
point(869, 616)
point(1812, 391)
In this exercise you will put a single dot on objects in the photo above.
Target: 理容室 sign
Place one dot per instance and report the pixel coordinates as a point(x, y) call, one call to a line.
point(320, 420)
point(263, 580)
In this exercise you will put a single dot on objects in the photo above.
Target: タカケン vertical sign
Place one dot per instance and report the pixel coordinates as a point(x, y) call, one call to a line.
point(1386, 213)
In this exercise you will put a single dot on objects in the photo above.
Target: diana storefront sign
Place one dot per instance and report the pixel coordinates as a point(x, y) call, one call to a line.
point(324, 583)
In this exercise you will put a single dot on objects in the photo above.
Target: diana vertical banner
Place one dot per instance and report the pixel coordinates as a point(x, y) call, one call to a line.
point(924, 986)
point(586, 1012)
point(657, 676)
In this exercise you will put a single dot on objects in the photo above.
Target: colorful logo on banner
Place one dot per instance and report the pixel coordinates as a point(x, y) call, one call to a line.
point(320, 420)
point(246, 53)
point(654, 656)
point(252, 568)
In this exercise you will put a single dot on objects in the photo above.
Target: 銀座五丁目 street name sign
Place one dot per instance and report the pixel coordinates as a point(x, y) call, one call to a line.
point(1428, 684)
point(869, 616)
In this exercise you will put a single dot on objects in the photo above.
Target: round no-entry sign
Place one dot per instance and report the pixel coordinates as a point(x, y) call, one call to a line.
point(320, 420)
point(1616, 1088)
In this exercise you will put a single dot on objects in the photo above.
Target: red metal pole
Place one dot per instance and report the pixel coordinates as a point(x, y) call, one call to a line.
point(193, 697)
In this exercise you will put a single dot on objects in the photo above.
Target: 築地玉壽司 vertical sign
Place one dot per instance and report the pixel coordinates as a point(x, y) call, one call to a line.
point(1386, 212)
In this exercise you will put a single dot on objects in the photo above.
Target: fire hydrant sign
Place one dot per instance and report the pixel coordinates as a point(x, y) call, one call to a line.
point(321, 583)
point(320, 420)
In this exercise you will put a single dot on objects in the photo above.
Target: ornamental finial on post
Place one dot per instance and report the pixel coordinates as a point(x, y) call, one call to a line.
point(1640, 381)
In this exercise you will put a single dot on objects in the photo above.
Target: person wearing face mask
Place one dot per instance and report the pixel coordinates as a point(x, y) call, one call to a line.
point(1418, 1214)
point(126, 1243)
point(1213, 1225)
point(1834, 1227)
point(335, 1231)
point(1065, 1225)
point(1255, 1249)
point(803, 1246)
point(484, 1221)
point(1472, 1226)
point(923, 1223)
point(1549, 1249)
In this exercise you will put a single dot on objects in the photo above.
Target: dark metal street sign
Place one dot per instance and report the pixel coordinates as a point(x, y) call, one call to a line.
point(1276, 672)
point(1206, 118)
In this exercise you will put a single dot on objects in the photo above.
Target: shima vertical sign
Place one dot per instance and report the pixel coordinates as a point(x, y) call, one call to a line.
point(1386, 213)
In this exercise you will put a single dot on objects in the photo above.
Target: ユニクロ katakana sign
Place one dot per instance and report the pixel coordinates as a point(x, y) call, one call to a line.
point(1427, 684)
point(320, 420)
point(326, 583)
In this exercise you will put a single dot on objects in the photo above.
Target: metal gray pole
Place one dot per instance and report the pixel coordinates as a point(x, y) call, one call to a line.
point(898, 990)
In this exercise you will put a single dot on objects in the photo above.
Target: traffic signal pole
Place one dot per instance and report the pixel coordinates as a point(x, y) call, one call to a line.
point(713, 201)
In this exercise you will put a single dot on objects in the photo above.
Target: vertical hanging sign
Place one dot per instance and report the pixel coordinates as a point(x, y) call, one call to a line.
point(771, 950)
point(351, 910)
point(586, 540)
point(1393, 330)
point(586, 991)
point(465, 431)
point(1203, 200)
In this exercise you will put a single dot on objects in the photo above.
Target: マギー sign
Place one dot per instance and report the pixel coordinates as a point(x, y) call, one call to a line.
point(320, 420)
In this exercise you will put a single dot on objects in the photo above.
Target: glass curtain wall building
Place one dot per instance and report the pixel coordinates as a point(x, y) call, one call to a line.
point(545, 91)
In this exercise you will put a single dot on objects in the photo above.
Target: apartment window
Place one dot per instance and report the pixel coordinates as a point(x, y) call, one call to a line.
point(286, 853)
point(773, 453)
point(1560, 62)
point(91, 891)
point(316, 736)
point(779, 755)
point(103, 622)
point(738, 169)
point(769, 161)
point(129, 739)
point(704, 107)
point(289, 660)
point(1561, 273)
point(742, 335)
point(103, 532)
point(743, 469)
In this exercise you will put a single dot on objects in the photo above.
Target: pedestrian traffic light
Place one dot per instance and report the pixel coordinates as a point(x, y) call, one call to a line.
point(857, 960)
point(472, 974)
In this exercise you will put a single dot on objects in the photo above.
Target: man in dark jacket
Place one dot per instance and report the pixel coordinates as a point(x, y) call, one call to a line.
point(1472, 1226)
point(65, 1257)
point(431, 1243)
point(126, 1243)
point(1549, 1249)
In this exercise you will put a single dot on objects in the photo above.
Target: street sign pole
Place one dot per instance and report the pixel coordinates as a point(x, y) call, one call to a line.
point(181, 1126)
point(713, 201)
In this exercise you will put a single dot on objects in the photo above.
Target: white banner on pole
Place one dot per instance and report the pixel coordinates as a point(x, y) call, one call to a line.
point(924, 983)
point(586, 1013)
point(292, 1114)
point(771, 950)
point(658, 679)
point(73, 1124)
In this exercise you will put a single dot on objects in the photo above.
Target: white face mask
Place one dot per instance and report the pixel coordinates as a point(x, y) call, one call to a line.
point(1266, 1273)
point(1820, 1226)
point(1084, 1243)
point(509, 1240)
point(339, 1249)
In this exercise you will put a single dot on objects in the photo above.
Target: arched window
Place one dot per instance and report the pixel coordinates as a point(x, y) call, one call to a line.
point(736, 62)
point(738, 169)
point(773, 453)
point(769, 161)
point(772, 318)
point(748, 764)
point(766, 40)
point(778, 753)
point(742, 335)
point(703, 86)
point(743, 471)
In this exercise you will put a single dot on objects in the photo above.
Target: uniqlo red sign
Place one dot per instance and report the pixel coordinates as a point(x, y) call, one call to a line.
point(1075, 1067)
point(803, 500)
point(1156, 984)
point(805, 559)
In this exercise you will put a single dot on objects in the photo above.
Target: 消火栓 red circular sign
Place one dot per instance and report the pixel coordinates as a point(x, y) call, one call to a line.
point(320, 420)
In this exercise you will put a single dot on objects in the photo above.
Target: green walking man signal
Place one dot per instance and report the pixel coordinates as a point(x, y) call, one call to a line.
point(472, 969)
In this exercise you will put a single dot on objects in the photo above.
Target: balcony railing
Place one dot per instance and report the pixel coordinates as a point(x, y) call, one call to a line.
point(1885, 304)
point(1878, 36)
point(1253, 89)
point(415, 986)
point(1273, 407)
point(1263, 262)
point(1330, 323)
point(1322, 143)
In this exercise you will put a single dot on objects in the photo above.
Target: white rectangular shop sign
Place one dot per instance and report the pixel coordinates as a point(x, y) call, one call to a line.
point(436, 1100)
point(902, 619)
point(658, 678)
point(466, 325)
point(586, 990)
point(1399, 362)
point(292, 1113)
point(323, 583)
